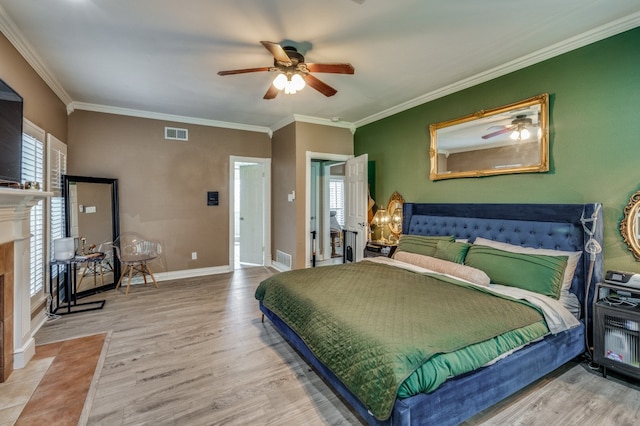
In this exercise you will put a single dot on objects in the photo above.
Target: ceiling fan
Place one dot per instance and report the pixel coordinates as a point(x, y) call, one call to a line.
point(519, 125)
point(294, 72)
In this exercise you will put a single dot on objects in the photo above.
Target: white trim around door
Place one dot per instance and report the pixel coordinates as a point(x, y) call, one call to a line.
point(265, 188)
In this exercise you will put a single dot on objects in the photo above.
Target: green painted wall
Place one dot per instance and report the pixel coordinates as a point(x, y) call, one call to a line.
point(594, 138)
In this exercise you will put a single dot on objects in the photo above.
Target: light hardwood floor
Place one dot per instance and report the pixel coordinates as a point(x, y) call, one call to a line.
point(194, 352)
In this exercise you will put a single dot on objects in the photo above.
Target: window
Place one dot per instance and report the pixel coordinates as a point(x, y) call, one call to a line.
point(57, 166)
point(33, 170)
point(336, 198)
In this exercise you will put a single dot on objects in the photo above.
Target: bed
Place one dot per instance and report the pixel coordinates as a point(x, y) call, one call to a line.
point(496, 229)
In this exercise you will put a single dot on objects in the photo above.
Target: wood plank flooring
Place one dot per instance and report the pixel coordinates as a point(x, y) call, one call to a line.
point(194, 352)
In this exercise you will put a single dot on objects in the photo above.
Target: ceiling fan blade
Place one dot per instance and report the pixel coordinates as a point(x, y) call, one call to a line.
point(331, 68)
point(278, 52)
point(499, 132)
point(242, 71)
point(320, 86)
point(272, 92)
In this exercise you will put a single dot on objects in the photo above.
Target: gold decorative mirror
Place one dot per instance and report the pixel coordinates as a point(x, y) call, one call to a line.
point(394, 207)
point(630, 225)
point(509, 139)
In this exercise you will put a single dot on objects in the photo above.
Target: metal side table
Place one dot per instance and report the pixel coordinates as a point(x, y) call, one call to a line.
point(63, 276)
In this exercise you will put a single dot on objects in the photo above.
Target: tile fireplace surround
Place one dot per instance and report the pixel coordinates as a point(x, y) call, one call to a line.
point(16, 330)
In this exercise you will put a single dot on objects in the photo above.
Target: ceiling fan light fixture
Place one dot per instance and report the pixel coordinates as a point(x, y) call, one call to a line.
point(297, 82)
point(519, 134)
point(289, 83)
point(280, 81)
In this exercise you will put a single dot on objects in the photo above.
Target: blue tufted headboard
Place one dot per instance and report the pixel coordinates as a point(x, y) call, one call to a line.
point(552, 226)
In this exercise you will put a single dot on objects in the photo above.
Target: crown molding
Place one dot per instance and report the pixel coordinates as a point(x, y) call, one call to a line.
point(313, 120)
point(573, 43)
point(15, 37)
point(168, 117)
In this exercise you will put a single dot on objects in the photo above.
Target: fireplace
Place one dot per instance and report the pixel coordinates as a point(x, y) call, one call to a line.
point(16, 328)
point(6, 311)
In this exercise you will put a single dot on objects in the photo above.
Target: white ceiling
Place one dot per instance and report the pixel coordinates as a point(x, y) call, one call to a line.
point(159, 58)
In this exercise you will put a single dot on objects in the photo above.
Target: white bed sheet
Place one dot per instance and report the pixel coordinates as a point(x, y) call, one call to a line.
point(558, 317)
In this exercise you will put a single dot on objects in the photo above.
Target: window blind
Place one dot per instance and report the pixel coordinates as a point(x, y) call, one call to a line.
point(57, 167)
point(33, 170)
point(336, 198)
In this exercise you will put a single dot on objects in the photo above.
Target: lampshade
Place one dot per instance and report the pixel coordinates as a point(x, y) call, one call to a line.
point(280, 81)
point(290, 83)
point(381, 218)
point(397, 217)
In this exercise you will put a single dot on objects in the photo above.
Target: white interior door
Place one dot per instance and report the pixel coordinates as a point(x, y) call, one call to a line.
point(356, 199)
point(251, 224)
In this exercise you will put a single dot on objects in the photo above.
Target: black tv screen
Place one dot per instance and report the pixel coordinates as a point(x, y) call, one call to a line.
point(10, 134)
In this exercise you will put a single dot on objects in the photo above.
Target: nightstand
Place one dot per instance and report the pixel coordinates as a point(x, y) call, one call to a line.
point(616, 329)
point(378, 248)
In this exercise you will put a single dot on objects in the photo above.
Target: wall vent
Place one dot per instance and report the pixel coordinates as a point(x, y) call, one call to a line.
point(176, 134)
point(283, 258)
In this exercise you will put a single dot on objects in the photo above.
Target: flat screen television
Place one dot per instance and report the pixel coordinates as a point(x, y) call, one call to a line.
point(10, 135)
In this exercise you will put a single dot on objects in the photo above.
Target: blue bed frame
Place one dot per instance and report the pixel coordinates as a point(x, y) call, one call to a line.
point(554, 226)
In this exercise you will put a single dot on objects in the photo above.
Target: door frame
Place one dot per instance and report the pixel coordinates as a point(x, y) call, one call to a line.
point(266, 211)
point(310, 155)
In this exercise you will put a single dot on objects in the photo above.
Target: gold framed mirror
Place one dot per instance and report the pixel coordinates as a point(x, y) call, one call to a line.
point(510, 139)
point(630, 225)
point(394, 208)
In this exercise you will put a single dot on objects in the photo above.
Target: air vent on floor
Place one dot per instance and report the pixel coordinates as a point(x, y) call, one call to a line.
point(176, 134)
point(283, 258)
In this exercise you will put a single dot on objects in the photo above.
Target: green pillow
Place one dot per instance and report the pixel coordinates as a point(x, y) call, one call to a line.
point(539, 273)
point(452, 251)
point(420, 244)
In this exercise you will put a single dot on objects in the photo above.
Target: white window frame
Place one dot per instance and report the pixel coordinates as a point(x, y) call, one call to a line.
point(56, 168)
point(38, 222)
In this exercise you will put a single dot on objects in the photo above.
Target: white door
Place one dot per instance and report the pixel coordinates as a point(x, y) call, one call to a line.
point(250, 223)
point(356, 198)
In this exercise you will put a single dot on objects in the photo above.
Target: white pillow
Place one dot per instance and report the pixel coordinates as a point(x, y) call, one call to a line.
point(458, 270)
point(572, 256)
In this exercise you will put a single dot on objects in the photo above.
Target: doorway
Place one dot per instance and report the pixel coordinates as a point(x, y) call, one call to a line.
point(327, 209)
point(317, 203)
point(249, 212)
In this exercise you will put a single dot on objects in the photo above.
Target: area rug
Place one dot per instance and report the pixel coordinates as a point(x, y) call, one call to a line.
point(65, 394)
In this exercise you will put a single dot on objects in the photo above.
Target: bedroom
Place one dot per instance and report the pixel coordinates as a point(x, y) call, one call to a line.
point(592, 159)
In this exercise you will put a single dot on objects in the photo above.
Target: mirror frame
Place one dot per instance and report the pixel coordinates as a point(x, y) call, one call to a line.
point(395, 201)
point(115, 217)
point(630, 225)
point(542, 166)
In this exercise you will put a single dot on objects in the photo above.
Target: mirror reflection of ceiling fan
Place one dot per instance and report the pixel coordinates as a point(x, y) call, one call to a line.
point(293, 72)
point(519, 128)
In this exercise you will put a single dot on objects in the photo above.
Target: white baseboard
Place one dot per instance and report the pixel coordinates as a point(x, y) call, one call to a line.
point(22, 356)
point(279, 267)
point(176, 275)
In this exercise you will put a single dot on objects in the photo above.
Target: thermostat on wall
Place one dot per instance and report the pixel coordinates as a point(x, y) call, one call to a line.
point(212, 198)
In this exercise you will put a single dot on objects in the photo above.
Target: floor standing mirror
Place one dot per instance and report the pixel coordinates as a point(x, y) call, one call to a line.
point(92, 219)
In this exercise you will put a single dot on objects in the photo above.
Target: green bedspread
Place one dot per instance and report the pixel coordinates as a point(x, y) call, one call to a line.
point(374, 325)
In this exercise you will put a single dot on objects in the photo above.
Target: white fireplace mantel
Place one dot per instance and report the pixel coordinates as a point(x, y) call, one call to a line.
point(15, 207)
